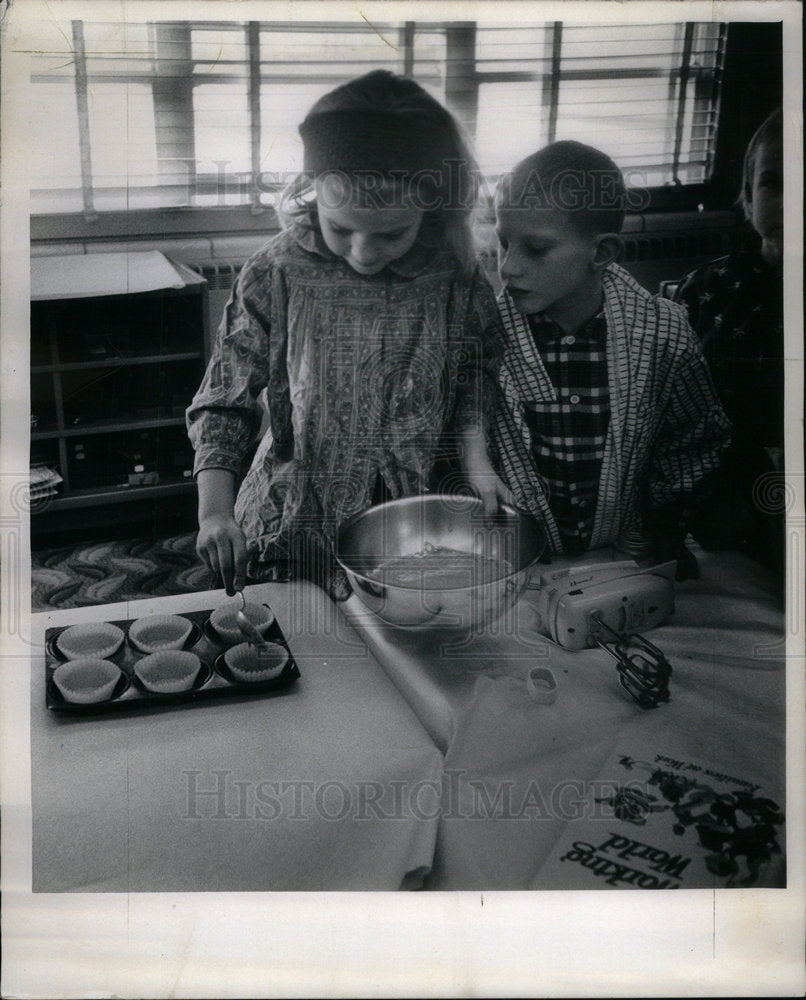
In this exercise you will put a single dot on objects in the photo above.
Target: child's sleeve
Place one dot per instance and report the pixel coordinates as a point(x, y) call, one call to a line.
point(689, 294)
point(693, 433)
point(479, 357)
point(225, 416)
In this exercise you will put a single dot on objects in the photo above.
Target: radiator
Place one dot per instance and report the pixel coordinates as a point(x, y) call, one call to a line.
point(220, 277)
point(698, 244)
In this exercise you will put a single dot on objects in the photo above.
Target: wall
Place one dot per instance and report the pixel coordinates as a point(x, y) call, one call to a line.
point(658, 247)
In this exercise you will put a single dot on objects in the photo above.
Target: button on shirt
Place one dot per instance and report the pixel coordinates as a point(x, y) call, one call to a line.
point(568, 435)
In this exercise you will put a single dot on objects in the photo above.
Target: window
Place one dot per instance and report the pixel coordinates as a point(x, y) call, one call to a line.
point(645, 94)
point(195, 115)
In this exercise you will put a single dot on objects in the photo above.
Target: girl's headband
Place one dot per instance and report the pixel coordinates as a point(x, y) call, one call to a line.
point(389, 143)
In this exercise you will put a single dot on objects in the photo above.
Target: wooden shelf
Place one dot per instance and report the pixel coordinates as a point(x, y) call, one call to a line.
point(112, 427)
point(148, 359)
point(86, 405)
point(99, 497)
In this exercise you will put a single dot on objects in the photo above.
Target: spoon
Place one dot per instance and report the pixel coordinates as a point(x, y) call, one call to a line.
point(249, 631)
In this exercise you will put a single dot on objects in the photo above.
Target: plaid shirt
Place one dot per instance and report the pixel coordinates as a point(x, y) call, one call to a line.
point(667, 429)
point(569, 432)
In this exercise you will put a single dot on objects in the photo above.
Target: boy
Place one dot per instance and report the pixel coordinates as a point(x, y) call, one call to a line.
point(607, 420)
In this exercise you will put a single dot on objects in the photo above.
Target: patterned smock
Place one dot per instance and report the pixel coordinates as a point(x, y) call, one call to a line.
point(363, 377)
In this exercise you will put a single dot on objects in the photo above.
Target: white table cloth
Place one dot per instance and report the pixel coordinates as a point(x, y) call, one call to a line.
point(516, 771)
point(393, 760)
point(328, 786)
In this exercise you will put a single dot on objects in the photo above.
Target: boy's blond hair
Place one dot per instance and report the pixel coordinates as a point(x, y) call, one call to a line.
point(569, 177)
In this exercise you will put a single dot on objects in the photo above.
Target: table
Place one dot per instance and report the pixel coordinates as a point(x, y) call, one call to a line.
point(516, 772)
point(324, 788)
point(394, 762)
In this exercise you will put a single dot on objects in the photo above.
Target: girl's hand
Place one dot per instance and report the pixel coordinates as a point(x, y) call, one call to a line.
point(221, 545)
point(486, 485)
point(479, 473)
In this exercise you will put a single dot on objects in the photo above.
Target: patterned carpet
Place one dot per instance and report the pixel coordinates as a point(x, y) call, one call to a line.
point(106, 572)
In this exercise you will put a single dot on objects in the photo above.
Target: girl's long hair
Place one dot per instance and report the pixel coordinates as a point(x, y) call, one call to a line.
point(380, 90)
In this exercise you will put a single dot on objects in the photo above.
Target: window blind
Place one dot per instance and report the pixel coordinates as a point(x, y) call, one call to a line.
point(129, 116)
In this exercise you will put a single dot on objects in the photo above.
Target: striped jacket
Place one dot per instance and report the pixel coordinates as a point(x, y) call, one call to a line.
point(667, 429)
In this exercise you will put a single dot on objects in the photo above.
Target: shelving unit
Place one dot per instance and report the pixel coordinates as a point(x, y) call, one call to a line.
point(111, 376)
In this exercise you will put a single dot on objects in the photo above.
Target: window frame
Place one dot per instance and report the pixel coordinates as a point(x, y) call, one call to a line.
point(461, 89)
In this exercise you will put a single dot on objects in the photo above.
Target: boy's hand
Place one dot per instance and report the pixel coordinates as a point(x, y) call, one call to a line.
point(222, 547)
point(669, 545)
point(667, 531)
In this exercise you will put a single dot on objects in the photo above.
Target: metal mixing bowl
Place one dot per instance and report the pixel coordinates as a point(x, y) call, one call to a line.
point(409, 526)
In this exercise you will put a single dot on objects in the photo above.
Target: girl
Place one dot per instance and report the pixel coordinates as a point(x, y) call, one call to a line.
point(735, 305)
point(371, 330)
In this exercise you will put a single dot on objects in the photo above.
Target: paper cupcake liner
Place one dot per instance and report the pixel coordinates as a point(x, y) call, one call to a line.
point(224, 620)
point(98, 640)
point(159, 632)
point(168, 671)
point(244, 665)
point(86, 680)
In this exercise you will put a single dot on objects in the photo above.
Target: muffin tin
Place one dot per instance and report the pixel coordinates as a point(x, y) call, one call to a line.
point(214, 679)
